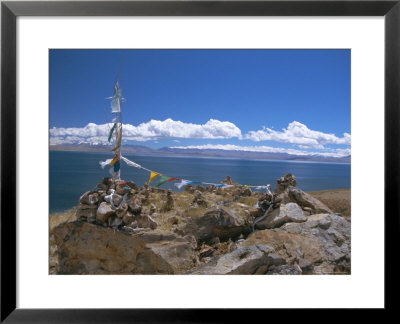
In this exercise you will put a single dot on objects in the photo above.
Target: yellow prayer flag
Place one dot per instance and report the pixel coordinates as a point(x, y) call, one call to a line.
point(114, 160)
point(153, 175)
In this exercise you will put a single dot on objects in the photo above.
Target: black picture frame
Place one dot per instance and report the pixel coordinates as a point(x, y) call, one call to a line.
point(10, 10)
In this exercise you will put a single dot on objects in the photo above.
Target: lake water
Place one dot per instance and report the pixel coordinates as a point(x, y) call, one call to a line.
point(73, 173)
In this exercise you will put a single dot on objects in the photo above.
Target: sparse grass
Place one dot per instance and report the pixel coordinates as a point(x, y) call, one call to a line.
point(249, 201)
point(193, 212)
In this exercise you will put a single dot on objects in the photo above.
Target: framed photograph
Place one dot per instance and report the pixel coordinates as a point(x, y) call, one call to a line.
point(186, 148)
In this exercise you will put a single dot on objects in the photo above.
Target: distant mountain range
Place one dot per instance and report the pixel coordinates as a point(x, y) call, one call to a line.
point(140, 149)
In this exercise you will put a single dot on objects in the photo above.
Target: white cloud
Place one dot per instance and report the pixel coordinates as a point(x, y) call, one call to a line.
point(95, 140)
point(299, 134)
point(154, 129)
point(267, 149)
point(296, 133)
point(213, 129)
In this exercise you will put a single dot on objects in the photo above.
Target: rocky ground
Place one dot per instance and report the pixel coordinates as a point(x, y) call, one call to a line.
point(120, 228)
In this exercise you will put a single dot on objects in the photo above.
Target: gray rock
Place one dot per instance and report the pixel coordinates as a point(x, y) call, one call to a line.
point(86, 210)
point(116, 199)
point(127, 218)
point(290, 212)
point(305, 200)
point(122, 210)
point(134, 207)
point(114, 221)
point(219, 222)
point(104, 212)
point(178, 252)
point(333, 233)
point(243, 260)
point(305, 265)
point(289, 246)
point(284, 182)
point(89, 198)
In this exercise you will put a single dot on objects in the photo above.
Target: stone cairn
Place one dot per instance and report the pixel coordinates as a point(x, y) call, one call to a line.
point(169, 204)
point(199, 200)
point(284, 182)
point(266, 200)
point(116, 203)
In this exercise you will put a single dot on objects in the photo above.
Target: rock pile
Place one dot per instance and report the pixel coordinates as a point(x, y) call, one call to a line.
point(116, 204)
point(199, 200)
point(289, 204)
point(123, 229)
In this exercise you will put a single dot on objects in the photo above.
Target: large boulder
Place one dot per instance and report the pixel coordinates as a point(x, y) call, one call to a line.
point(334, 234)
point(290, 212)
point(254, 259)
point(216, 223)
point(178, 252)
point(82, 248)
point(292, 247)
point(303, 199)
point(320, 245)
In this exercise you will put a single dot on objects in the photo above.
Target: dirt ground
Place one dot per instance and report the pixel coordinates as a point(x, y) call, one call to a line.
point(58, 218)
point(338, 200)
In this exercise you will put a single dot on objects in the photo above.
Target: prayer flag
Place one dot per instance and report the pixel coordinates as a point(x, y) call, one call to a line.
point(182, 183)
point(222, 185)
point(185, 183)
point(165, 179)
point(111, 132)
point(154, 175)
point(131, 163)
point(114, 160)
point(104, 163)
point(118, 142)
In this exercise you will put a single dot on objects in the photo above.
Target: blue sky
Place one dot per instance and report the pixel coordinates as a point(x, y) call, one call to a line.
point(258, 99)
